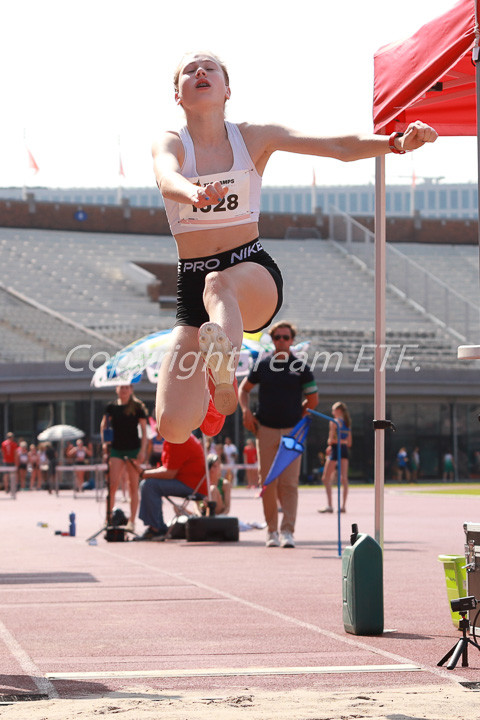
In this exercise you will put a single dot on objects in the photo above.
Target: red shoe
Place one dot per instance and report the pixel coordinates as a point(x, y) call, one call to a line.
point(214, 421)
point(218, 355)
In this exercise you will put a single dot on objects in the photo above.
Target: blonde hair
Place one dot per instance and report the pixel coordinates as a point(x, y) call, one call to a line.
point(176, 75)
point(346, 415)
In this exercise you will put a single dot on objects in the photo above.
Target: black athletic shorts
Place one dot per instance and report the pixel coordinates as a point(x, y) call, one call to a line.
point(191, 281)
point(344, 454)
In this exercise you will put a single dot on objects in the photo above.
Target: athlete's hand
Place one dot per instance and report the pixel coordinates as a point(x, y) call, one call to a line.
point(416, 135)
point(209, 195)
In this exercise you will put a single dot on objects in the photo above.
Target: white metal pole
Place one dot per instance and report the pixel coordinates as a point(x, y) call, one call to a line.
point(472, 352)
point(207, 471)
point(379, 379)
point(25, 165)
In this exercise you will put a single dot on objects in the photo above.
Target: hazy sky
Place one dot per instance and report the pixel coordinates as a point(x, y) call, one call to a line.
point(77, 76)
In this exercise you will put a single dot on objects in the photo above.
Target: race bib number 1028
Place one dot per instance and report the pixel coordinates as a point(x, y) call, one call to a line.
point(232, 208)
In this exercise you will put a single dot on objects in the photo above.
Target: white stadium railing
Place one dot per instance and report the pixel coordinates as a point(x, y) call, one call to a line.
point(458, 315)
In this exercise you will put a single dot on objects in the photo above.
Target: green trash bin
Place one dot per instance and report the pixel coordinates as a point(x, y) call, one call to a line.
point(456, 579)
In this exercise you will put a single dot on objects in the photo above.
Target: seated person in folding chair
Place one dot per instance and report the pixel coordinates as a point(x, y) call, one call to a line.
point(181, 474)
point(220, 489)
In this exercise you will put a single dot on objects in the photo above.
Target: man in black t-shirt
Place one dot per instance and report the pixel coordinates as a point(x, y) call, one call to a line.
point(286, 390)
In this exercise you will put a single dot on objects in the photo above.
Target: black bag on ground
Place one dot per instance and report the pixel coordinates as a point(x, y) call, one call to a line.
point(116, 534)
point(177, 527)
point(216, 529)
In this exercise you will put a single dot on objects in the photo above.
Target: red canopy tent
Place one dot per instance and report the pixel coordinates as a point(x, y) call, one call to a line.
point(432, 76)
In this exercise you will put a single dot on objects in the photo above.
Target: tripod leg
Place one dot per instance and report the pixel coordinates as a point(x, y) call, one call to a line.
point(97, 533)
point(460, 649)
point(445, 657)
point(468, 642)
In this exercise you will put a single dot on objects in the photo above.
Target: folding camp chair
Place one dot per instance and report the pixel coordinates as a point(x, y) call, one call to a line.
point(181, 510)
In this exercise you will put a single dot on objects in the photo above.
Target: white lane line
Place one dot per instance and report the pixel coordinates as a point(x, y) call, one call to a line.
point(26, 663)
point(347, 640)
point(226, 672)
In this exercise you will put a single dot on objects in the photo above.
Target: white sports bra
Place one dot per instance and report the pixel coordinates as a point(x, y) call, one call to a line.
point(241, 205)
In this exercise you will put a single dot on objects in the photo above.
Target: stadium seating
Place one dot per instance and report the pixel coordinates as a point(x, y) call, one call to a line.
point(81, 276)
point(455, 265)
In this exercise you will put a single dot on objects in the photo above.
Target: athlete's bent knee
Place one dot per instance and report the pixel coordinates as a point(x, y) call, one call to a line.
point(171, 432)
point(216, 283)
point(175, 429)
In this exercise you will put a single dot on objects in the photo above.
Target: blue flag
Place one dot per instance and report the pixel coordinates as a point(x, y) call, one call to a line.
point(291, 446)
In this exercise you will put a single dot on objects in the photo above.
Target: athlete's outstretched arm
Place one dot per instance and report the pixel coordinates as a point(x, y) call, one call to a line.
point(342, 147)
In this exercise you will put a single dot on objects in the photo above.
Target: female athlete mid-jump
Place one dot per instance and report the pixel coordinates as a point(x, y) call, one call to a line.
point(210, 175)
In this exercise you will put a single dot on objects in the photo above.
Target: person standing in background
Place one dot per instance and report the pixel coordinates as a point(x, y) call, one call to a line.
point(21, 461)
point(402, 465)
point(80, 453)
point(286, 390)
point(51, 455)
point(250, 458)
point(342, 416)
point(230, 454)
point(34, 465)
point(124, 416)
point(9, 447)
point(415, 464)
point(448, 467)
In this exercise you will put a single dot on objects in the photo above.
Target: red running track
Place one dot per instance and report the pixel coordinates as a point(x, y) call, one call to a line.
point(230, 616)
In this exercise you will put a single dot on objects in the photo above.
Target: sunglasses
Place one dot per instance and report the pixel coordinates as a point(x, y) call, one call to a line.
point(282, 337)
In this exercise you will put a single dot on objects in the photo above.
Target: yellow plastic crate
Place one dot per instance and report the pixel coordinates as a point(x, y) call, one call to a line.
point(456, 579)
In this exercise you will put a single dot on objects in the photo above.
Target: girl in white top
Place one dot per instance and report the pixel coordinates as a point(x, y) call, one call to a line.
point(80, 453)
point(34, 465)
point(21, 460)
point(236, 295)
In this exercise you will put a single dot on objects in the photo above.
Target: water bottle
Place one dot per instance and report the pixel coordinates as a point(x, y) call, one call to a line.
point(73, 528)
point(108, 432)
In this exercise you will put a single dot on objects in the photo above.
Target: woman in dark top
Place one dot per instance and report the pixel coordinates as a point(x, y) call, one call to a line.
point(124, 416)
point(341, 414)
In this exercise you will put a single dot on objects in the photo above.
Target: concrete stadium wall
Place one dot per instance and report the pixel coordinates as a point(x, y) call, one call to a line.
point(149, 221)
point(121, 219)
point(421, 230)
